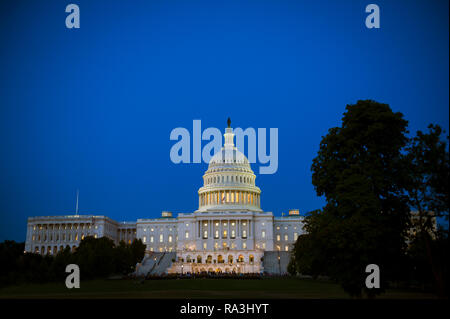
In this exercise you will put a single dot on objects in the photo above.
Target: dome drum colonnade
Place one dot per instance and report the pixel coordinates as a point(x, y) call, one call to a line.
point(229, 182)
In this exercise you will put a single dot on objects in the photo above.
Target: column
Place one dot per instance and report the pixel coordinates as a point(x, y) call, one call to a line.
point(238, 228)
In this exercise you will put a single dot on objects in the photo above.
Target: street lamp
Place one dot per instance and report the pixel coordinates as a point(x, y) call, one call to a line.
point(279, 265)
point(182, 266)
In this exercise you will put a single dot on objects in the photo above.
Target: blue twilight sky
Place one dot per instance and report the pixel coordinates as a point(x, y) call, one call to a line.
point(93, 108)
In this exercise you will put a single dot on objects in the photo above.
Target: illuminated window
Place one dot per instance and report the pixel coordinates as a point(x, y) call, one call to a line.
point(244, 245)
point(145, 229)
point(216, 234)
point(264, 245)
point(205, 234)
point(263, 234)
point(204, 246)
point(233, 234)
point(278, 238)
point(225, 233)
point(286, 238)
point(170, 238)
point(286, 248)
point(161, 238)
point(144, 239)
point(244, 233)
point(295, 236)
point(186, 235)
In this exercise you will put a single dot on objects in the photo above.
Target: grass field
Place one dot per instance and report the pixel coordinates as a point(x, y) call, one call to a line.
point(284, 288)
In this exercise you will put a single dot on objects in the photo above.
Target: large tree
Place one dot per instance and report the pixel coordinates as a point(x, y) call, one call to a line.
point(360, 170)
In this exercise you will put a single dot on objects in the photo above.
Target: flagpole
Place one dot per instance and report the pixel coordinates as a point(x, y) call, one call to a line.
point(76, 209)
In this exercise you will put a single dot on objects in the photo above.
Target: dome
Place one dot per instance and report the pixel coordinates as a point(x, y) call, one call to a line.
point(229, 182)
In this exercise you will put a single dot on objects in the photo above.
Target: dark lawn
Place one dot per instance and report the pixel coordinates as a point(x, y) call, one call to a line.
point(196, 288)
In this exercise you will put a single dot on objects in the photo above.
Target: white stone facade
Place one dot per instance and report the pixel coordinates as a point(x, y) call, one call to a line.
point(228, 233)
point(51, 234)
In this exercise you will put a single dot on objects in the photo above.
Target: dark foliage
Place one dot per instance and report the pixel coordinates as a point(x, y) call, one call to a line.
point(97, 258)
point(359, 169)
point(372, 175)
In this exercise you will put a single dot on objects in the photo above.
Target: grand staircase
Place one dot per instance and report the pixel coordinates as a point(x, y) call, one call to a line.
point(155, 263)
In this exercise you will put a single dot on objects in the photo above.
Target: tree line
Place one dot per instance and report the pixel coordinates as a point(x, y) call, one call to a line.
point(96, 257)
point(372, 176)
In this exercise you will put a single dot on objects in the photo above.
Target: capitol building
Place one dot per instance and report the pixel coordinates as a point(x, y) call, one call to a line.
point(228, 233)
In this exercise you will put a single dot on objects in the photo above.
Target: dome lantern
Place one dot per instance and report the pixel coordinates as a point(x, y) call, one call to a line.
point(229, 182)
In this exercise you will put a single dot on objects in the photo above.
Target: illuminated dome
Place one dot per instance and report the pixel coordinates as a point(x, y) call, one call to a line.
point(229, 182)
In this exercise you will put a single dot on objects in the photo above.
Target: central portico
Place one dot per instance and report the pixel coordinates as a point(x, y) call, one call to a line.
point(227, 220)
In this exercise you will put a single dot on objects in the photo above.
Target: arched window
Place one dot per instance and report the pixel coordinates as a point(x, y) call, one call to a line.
point(241, 259)
point(230, 259)
point(199, 259)
point(251, 258)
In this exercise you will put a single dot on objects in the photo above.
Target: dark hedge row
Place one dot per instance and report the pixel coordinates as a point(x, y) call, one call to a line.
point(97, 258)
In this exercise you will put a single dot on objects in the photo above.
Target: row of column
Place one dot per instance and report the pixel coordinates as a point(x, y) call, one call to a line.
point(229, 197)
point(60, 236)
point(211, 228)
